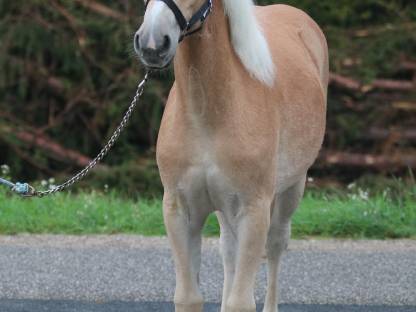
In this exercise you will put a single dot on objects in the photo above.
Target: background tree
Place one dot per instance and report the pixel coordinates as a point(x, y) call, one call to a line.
point(68, 72)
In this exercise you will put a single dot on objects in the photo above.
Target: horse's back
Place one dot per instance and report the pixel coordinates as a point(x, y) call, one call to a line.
point(287, 27)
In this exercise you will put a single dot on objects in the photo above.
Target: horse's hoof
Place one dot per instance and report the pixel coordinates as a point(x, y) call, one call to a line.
point(235, 309)
point(195, 307)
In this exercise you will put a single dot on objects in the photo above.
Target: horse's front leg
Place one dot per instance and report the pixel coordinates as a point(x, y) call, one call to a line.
point(184, 231)
point(228, 243)
point(252, 227)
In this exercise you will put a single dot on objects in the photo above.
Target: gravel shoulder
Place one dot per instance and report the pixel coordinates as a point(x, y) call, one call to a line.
point(135, 241)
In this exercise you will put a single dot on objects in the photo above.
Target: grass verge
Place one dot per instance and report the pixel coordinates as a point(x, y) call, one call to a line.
point(351, 214)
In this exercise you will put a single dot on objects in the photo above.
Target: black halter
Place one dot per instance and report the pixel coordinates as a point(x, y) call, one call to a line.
point(186, 26)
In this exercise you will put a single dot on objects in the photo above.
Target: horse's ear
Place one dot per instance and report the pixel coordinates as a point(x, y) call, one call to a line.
point(146, 3)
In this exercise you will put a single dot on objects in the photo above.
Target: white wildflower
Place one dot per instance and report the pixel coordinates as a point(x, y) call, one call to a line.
point(5, 169)
point(363, 194)
point(353, 197)
point(351, 186)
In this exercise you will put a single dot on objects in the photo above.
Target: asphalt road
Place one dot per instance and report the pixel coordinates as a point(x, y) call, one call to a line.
point(75, 306)
point(126, 273)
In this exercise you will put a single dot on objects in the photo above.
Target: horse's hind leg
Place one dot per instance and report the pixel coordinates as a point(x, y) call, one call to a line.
point(284, 206)
point(184, 232)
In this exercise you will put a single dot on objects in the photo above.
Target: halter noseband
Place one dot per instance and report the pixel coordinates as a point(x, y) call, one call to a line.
point(185, 25)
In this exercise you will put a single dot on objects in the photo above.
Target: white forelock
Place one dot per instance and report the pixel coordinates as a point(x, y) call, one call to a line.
point(248, 40)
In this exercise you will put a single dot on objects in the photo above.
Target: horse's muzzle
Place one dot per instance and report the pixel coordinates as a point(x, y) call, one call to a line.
point(155, 55)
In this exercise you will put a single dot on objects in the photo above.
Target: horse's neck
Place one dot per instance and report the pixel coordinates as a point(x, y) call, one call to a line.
point(205, 62)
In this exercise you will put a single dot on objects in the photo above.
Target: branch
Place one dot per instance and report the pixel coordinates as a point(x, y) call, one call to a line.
point(31, 161)
point(362, 33)
point(344, 82)
point(53, 149)
point(40, 73)
point(388, 84)
point(383, 84)
point(382, 134)
point(407, 65)
point(379, 162)
point(102, 9)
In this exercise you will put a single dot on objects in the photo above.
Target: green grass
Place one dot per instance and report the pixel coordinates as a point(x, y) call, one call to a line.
point(348, 214)
point(355, 217)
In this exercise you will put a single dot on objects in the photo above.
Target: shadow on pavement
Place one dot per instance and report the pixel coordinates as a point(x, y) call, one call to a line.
point(115, 306)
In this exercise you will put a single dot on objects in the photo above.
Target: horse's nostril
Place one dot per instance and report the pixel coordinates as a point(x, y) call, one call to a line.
point(166, 44)
point(136, 42)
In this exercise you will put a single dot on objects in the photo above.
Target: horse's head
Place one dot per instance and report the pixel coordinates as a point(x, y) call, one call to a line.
point(165, 24)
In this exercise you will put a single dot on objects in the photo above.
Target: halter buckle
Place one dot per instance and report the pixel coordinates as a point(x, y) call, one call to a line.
point(199, 16)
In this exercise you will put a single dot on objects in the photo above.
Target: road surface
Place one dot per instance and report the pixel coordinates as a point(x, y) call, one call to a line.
point(129, 273)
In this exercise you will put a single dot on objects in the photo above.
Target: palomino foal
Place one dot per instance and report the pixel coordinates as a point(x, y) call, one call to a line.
point(244, 121)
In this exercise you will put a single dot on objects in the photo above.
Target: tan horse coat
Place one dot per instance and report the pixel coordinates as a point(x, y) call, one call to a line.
point(233, 145)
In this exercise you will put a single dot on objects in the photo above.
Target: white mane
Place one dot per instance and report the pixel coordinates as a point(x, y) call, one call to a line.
point(248, 40)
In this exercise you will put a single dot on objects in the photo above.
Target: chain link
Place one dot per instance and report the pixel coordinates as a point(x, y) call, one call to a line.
point(80, 175)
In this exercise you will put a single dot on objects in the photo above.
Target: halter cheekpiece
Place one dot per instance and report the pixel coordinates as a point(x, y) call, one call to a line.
point(186, 26)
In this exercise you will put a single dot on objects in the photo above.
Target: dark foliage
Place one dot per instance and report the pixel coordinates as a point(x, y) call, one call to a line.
point(68, 72)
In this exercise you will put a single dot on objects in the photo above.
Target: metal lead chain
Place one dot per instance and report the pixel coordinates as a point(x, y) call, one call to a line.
point(26, 190)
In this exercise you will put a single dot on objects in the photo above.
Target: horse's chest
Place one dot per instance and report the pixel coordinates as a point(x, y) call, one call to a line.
point(205, 184)
point(214, 166)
